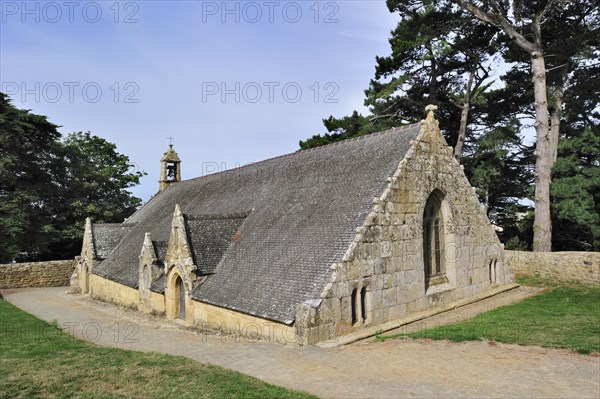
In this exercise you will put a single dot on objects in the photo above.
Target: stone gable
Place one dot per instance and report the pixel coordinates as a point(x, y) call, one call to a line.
point(383, 269)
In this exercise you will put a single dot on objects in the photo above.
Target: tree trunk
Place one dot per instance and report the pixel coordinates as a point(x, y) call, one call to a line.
point(544, 153)
point(556, 112)
point(464, 116)
point(433, 82)
point(542, 225)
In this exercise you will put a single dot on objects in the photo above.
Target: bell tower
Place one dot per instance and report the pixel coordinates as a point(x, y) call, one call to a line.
point(170, 169)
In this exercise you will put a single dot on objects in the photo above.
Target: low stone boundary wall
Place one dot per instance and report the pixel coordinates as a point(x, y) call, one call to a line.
point(562, 266)
point(54, 273)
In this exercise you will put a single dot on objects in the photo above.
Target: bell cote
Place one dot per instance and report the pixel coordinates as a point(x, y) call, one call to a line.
point(170, 168)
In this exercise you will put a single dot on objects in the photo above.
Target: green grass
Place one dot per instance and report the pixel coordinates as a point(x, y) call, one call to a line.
point(536, 281)
point(563, 317)
point(38, 360)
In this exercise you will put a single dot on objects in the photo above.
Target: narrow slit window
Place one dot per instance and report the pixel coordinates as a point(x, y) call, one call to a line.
point(427, 248)
point(363, 303)
point(437, 250)
point(493, 270)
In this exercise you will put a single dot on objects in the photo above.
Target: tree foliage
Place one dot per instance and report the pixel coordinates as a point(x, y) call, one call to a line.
point(553, 35)
point(500, 168)
point(48, 186)
point(576, 193)
point(28, 143)
point(341, 129)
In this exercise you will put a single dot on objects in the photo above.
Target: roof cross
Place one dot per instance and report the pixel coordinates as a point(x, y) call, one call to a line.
point(170, 140)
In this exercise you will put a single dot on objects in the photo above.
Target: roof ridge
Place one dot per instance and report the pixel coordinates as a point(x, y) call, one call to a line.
point(233, 215)
point(115, 224)
point(313, 149)
point(357, 138)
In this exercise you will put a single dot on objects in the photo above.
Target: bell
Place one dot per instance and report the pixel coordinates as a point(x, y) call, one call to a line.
point(171, 171)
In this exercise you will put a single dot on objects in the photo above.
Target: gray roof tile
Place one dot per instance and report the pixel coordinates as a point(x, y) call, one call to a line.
point(107, 235)
point(210, 236)
point(159, 284)
point(160, 249)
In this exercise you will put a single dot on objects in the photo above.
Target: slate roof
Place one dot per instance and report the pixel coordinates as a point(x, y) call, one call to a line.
point(158, 285)
point(106, 236)
point(210, 236)
point(302, 211)
point(160, 249)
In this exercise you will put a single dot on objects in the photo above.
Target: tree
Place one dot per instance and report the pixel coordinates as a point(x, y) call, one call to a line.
point(93, 183)
point(28, 144)
point(500, 168)
point(340, 129)
point(564, 29)
point(49, 186)
point(576, 192)
point(576, 173)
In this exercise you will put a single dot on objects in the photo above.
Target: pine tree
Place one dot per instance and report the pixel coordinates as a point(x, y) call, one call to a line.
point(554, 34)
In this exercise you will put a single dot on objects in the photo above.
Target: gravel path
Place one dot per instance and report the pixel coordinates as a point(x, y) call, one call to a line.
point(392, 369)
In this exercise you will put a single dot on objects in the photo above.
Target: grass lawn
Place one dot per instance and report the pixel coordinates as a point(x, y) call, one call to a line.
point(38, 360)
point(566, 316)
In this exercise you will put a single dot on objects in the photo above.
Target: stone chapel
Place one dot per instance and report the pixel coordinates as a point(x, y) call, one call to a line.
point(306, 247)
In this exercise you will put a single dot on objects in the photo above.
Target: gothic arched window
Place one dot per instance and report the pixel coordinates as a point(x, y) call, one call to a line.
point(433, 240)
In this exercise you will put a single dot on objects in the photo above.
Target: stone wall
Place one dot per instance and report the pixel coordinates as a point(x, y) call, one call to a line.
point(562, 266)
point(252, 328)
point(36, 274)
point(201, 315)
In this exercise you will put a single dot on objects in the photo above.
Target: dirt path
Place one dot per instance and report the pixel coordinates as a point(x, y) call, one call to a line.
point(392, 369)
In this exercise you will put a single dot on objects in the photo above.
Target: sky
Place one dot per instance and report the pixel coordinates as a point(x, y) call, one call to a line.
point(232, 82)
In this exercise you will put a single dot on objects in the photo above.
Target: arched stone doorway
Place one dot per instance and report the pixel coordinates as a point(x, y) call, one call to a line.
point(176, 301)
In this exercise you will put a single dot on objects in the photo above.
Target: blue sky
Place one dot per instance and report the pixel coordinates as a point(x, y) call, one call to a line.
point(233, 82)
